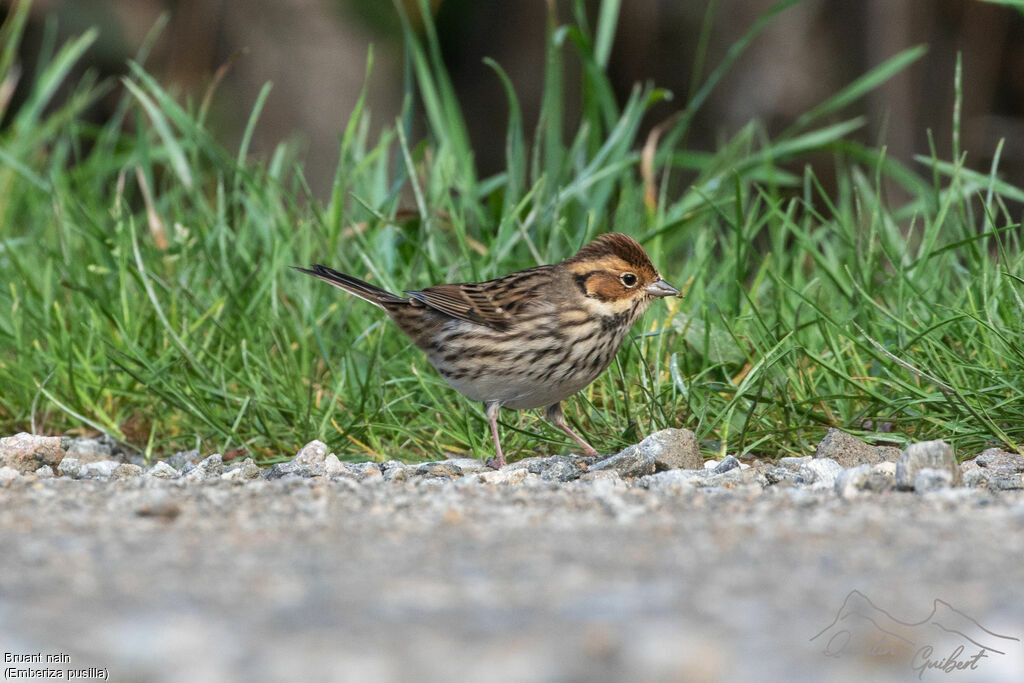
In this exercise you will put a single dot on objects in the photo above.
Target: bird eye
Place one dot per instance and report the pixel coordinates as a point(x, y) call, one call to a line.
point(628, 279)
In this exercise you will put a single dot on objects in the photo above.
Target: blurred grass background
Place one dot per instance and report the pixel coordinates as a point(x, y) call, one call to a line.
point(149, 209)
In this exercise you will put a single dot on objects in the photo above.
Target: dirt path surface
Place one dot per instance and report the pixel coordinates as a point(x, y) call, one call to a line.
point(313, 579)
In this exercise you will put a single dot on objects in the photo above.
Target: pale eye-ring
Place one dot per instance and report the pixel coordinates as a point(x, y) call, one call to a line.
point(628, 279)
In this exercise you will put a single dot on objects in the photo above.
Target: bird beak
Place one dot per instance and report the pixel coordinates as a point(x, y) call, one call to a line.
point(662, 288)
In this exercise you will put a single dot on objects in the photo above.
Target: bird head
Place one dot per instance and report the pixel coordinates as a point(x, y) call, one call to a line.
point(616, 271)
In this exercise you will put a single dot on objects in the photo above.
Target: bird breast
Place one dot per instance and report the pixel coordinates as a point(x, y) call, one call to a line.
point(541, 360)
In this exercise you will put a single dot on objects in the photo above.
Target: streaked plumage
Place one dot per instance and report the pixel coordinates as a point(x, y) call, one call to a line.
point(529, 339)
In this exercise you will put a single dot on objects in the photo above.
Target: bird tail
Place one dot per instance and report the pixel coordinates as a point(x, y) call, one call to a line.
point(364, 290)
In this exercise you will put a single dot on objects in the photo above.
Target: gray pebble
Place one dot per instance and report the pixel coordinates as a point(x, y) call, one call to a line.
point(313, 453)
point(997, 458)
point(846, 449)
point(728, 463)
point(469, 465)
point(207, 468)
point(161, 470)
point(1003, 469)
point(293, 468)
point(629, 463)
point(101, 469)
point(68, 467)
point(672, 449)
point(556, 467)
point(182, 459)
point(888, 453)
point(882, 477)
point(442, 469)
point(820, 473)
point(247, 470)
point(852, 481)
point(932, 479)
point(126, 470)
point(675, 480)
point(794, 464)
point(736, 476)
point(506, 476)
point(89, 450)
point(333, 466)
point(976, 477)
point(396, 474)
point(562, 470)
point(1006, 481)
point(926, 454)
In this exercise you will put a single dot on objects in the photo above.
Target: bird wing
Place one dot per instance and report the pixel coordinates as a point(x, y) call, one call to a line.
point(494, 303)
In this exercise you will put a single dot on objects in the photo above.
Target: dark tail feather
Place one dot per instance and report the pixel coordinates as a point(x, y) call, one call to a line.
point(364, 290)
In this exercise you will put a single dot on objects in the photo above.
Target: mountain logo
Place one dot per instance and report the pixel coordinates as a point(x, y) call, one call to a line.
point(945, 641)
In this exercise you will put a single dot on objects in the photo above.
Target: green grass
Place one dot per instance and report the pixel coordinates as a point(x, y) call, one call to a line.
point(147, 292)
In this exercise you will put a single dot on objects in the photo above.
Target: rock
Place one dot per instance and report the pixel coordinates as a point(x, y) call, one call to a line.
point(247, 470)
point(26, 453)
point(555, 467)
point(392, 470)
point(932, 479)
point(976, 477)
point(782, 475)
point(926, 454)
point(888, 453)
point(1005, 481)
point(820, 473)
point(1001, 461)
point(89, 450)
point(506, 476)
point(44, 472)
point(182, 459)
point(8, 474)
point(607, 475)
point(397, 475)
point(442, 470)
point(736, 476)
point(332, 466)
point(564, 469)
point(676, 481)
point(365, 470)
point(468, 465)
point(882, 477)
point(161, 470)
point(852, 481)
point(794, 464)
point(672, 449)
point(313, 453)
point(101, 469)
point(293, 468)
point(68, 467)
point(846, 449)
point(632, 462)
point(728, 463)
point(126, 471)
point(208, 468)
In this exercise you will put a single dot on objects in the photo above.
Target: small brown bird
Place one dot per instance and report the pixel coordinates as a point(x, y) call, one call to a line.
point(530, 339)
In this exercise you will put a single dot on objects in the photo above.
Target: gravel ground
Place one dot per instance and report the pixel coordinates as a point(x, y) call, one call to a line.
point(555, 569)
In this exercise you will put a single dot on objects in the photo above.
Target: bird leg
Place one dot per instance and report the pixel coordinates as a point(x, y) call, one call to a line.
point(557, 418)
point(492, 419)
